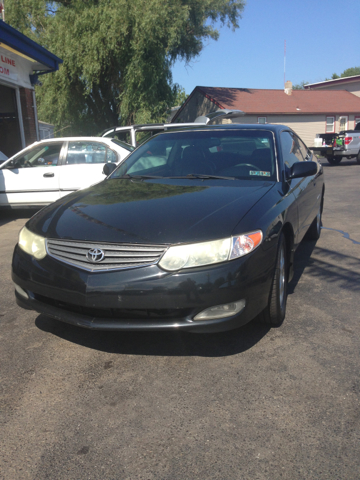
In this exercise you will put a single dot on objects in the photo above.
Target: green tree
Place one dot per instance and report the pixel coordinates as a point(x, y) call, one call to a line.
point(180, 96)
point(349, 72)
point(300, 86)
point(117, 55)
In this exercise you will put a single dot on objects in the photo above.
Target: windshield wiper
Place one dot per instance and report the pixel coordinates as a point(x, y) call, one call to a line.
point(189, 175)
point(138, 177)
point(203, 176)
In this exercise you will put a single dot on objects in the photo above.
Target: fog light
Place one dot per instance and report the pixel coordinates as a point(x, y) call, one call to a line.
point(221, 311)
point(21, 291)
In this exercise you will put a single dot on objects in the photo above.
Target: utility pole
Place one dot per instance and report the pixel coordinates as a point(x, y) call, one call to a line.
point(284, 61)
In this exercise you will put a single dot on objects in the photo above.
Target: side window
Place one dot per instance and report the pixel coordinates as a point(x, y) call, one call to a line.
point(111, 156)
point(41, 156)
point(290, 149)
point(306, 153)
point(86, 152)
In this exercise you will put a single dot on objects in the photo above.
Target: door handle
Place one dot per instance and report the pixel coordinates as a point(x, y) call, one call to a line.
point(49, 174)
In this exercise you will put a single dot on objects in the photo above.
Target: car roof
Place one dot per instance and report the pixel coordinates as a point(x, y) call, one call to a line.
point(74, 139)
point(203, 120)
point(144, 128)
point(233, 126)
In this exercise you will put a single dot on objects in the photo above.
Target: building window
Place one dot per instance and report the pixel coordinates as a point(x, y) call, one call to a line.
point(330, 124)
point(357, 120)
point(343, 123)
point(261, 119)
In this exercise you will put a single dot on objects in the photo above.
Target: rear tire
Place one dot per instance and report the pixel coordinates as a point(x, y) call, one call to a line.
point(314, 231)
point(358, 158)
point(274, 313)
point(334, 160)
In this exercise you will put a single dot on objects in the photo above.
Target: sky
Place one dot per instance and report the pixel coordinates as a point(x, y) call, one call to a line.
point(322, 38)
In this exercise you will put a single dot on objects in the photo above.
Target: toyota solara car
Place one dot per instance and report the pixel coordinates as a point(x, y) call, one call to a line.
point(50, 169)
point(196, 230)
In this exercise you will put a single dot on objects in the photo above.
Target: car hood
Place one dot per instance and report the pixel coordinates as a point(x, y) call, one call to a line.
point(166, 211)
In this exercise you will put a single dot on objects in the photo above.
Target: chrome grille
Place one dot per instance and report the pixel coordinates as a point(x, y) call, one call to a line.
point(117, 256)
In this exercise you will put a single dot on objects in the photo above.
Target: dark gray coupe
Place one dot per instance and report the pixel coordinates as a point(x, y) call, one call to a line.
point(195, 230)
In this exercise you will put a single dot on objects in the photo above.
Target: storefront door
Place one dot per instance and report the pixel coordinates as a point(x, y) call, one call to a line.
point(10, 139)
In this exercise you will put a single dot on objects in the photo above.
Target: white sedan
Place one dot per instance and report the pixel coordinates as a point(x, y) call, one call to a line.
point(47, 170)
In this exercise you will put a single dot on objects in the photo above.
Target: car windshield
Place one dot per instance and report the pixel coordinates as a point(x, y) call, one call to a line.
point(232, 154)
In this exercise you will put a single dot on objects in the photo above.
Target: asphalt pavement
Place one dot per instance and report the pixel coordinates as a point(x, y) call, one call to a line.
point(254, 403)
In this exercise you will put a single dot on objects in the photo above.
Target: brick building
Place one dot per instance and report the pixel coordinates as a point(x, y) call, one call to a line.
point(21, 61)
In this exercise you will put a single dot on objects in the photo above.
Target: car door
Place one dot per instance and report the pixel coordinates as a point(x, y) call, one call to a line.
point(313, 187)
point(83, 165)
point(32, 177)
point(298, 186)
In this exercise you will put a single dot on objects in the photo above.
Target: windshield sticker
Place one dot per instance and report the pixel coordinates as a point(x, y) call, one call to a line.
point(259, 173)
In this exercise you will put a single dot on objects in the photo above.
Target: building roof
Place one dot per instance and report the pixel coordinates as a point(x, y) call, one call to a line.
point(40, 122)
point(263, 101)
point(335, 81)
point(18, 43)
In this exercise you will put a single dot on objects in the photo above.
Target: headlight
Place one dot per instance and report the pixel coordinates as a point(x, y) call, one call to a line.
point(207, 253)
point(32, 244)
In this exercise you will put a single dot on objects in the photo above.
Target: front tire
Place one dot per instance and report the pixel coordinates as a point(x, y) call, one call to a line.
point(274, 313)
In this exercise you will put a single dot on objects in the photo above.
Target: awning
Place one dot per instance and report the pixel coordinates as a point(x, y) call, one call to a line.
point(43, 61)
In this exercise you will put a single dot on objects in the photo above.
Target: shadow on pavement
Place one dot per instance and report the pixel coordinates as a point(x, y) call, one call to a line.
point(302, 259)
point(330, 266)
point(344, 163)
point(335, 268)
point(7, 216)
point(174, 343)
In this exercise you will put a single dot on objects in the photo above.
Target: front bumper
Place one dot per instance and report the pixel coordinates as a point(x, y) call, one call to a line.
point(144, 298)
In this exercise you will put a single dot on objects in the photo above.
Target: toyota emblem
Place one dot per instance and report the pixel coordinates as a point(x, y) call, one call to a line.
point(95, 255)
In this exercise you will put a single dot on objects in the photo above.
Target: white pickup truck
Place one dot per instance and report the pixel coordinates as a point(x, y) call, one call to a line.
point(336, 146)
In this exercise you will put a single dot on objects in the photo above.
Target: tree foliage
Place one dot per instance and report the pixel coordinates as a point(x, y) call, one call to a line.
point(349, 72)
point(300, 86)
point(180, 96)
point(117, 55)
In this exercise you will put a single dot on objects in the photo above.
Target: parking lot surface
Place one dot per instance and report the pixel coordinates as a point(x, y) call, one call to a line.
point(253, 403)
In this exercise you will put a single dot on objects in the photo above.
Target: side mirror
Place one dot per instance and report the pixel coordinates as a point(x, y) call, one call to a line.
point(109, 168)
point(302, 169)
point(11, 165)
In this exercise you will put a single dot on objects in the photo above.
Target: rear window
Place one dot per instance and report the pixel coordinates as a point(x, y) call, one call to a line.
point(125, 145)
